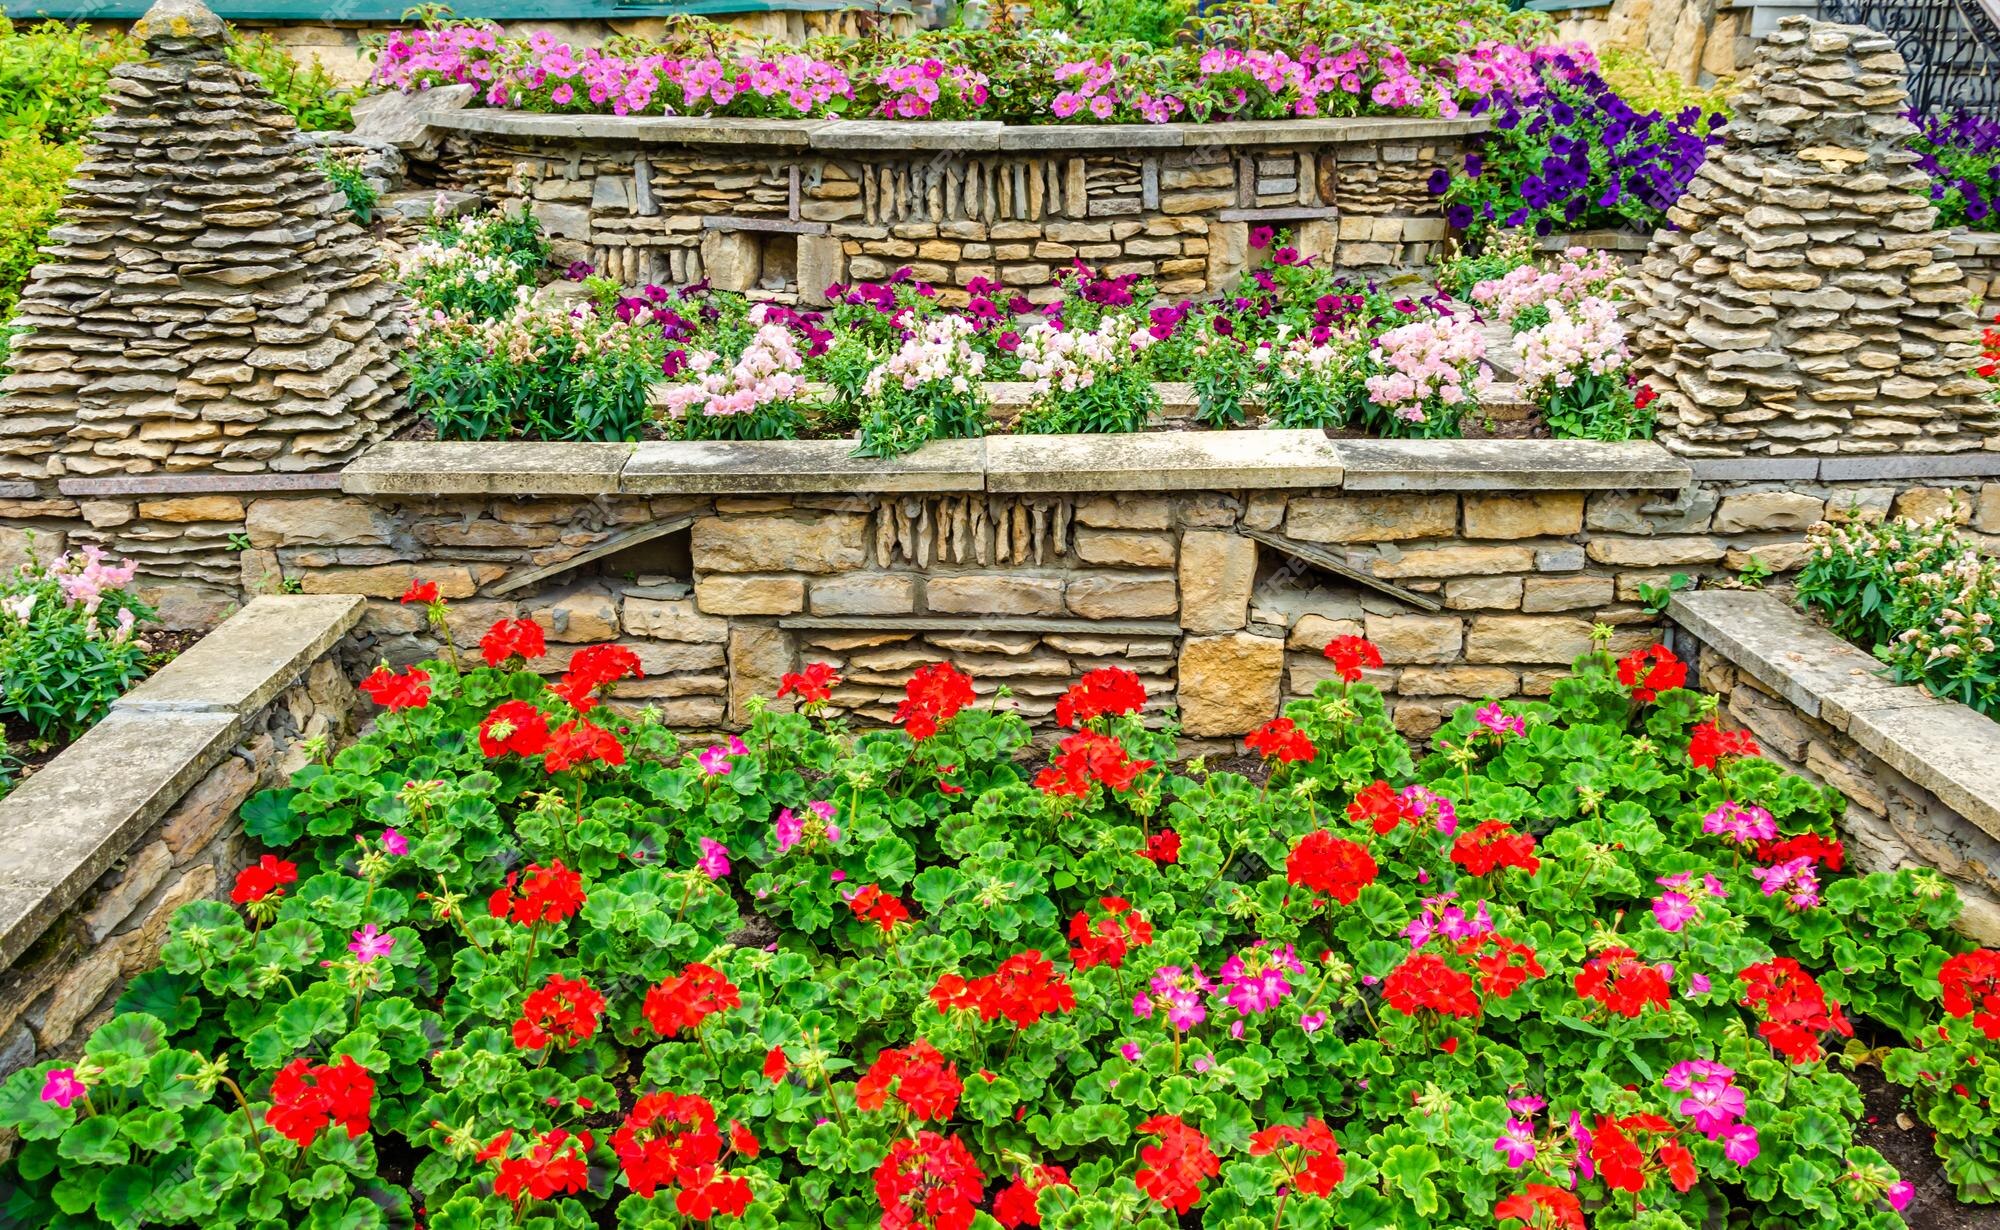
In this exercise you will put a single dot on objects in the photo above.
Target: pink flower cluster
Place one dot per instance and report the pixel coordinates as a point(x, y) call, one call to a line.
point(766, 375)
point(1740, 824)
point(1491, 67)
point(1091, 89)
point(1587, 340)
point(1442, 916)
point(790, 828)
point(1796, 878)
point(1257, 980)
point(1712, 1100)
point(931, 89)
point(1180, 991)
point(1681, 903)
point(1428, 364)
point(1578, 274)
point(85, 576)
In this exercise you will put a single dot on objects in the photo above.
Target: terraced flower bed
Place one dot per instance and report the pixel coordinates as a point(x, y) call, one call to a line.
point(518, 958)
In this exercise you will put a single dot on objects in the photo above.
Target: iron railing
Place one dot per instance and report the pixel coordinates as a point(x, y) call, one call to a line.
point(1952, 47)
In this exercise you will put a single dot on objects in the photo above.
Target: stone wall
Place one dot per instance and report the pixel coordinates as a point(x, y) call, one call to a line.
point(205, 301)
point(99, 847)
point(786, 208)
point(1806, 302)
point(1919, 774)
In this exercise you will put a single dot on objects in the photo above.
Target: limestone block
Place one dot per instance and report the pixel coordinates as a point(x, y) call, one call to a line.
point(1542, 514)
point(1926, 503)
point(673, 619)
point(995, 594)
point(393, 580)
point(1218, 571)
point(1655, 552)
point(1114, 596)
point(865, 593)
point(144, 870)
point(317, 522)
point(1567, 593)
point(1754, 511)
point(1526, 639)
point(1123, 548)
point(1475, 682)
point(1229, 684)
point(825, 542)
point(583, 614)
point(1371, 518)
point(1483, 593)
point(1125, 512)
point(758, 657)
point(1312, 632)
point(749, 595)
point(1443, 562)
point(732, 260)
point(186, 508)
point(1415, 638)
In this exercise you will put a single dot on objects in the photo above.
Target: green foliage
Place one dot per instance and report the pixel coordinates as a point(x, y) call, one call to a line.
point(347, 176)
point(316, 102)
point(67, 642)
point(1646, 85)
point(32, 174)
point(1921, 595)
point(52, 77)
point(1597, 407)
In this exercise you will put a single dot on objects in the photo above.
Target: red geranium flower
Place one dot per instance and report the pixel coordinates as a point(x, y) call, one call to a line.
point(929, 1182)
point(1024, 989)
point(579, 743)
point(1971, 983)
point(306, 1097)
point(1382, 806)
point(1542, 1207)
point(1313, 1164)
point(425, 592)
point(1171, 1172)
point(512, 638)
point(741, 1142)
point(1016, 1204)
point(564, 1011)
point(1280, 739)
point(1709, 743)
point(670, 1140)
point(1086, 758)
point(688, 998)
point(1425, 982)
point(1493, 844)
point(1331, 866)
point(591, 670)
point(813, 686)
point(1651, 671)
point(1106, 691)
point(1350, 654)
point(871, 904)
point(549, 895)
point(1796, 1012)
point(1105, 942)
point(1619, 980)
point(1828, 852)
point(775, 1065)
point(394, 692)
point(1626, 1150)
point(1506, 968)
point(921, 1078)
point(933, 696)
point(514, 726)
point(1163, 848)
point(554, 1167)
point(262, 878)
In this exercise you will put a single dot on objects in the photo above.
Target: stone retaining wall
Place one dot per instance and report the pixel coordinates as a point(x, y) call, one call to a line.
point(138, 817)
point(791, 206)
point(1921, 776)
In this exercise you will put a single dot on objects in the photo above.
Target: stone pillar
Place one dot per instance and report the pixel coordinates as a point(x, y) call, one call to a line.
point(206, 302)
point(1805, 301)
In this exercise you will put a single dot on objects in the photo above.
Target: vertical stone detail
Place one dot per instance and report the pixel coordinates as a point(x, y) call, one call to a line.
point(205, 301)
point(1806, 302)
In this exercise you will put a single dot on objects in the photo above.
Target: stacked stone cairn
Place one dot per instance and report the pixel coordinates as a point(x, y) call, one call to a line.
point(1806, 302)
point(207, 302)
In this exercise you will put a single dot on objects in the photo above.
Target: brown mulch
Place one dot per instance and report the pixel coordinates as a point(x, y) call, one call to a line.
point(1890, 1125)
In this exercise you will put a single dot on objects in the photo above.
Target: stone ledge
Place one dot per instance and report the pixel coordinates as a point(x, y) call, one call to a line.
point(1254, 459)
point(1948, 749)
point(65, 825)
point(197, 484)
point(971, 136)
point(487, 467)
point(1509, 465)
point(1885, 466)
point(1162, 461)
point(270, 641)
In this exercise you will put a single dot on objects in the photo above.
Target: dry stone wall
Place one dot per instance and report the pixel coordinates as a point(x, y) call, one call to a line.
point(205, 302)
point(737, 206)
point(139, 817)
point(1807, 303)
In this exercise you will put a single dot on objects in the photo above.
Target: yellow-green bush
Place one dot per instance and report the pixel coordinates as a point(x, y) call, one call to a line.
point(32, 173)
point(1648, 87)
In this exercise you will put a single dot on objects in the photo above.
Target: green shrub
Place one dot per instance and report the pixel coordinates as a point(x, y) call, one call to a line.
point(67, 644)
point(32, 174)
point(353, 184)
point(52, 77)
point(316, 101)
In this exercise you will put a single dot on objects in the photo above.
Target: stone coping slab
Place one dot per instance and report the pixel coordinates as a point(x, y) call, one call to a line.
point(486, 467)
point(1146, 461)
point(716, 467)
point(1162, 461)
point(1510, 465)
point(270, 641)
point(971, 136)
point(1947, 748)
point(1878, 466)
point(66, 824)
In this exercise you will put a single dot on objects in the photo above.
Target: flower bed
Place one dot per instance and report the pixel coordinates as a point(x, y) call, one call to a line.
point(905, 363)
point(517, 958)
point(1292, 60)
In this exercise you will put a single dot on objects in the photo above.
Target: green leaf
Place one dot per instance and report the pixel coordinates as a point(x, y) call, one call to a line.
point(95, 1142)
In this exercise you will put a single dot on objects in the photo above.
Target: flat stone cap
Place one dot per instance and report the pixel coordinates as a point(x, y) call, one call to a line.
point(174, 25)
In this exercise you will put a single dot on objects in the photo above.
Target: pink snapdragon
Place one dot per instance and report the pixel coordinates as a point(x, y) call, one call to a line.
point(1586, 340)
point(1429, 366)
point(768, 374)
point(1576, 275)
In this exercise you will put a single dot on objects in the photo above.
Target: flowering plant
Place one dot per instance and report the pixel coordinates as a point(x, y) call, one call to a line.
point(756, 397)
point(1087, 379)
point(476, 265)
point(1425, 375)
point(928, 390)
point(68, 640)
point(1574, 367)
point(1960, 151)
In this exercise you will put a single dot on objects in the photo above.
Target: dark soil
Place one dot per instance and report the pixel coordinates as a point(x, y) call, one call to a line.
point(1891, 1127)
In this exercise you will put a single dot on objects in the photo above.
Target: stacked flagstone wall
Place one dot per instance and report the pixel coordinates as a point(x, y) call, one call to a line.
point(1804, 301)
point(206, 303)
